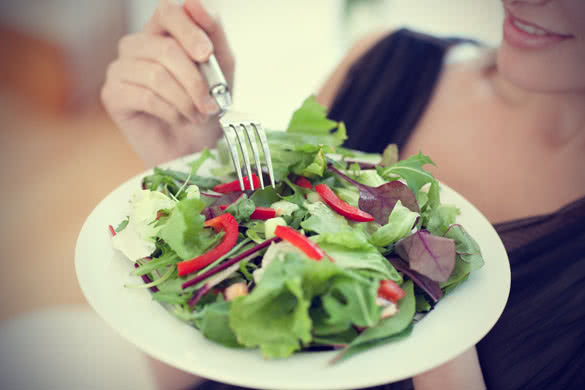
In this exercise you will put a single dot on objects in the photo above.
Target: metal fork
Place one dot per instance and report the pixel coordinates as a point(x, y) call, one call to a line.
point(237, 129)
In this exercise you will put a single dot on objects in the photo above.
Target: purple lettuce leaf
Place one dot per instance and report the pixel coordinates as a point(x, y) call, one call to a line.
point(430, 287)
point(379, 201)
point(431, 256)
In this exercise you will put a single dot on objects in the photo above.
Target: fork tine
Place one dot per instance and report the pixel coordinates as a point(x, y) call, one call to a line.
point(244, 150)
point(253, 144)
point(264, 142)
point(229, 139)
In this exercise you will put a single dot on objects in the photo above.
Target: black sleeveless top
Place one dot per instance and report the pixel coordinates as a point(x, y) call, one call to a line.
point(539, 341)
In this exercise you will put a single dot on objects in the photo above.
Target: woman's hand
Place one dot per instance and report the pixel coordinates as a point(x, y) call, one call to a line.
point(154, 91)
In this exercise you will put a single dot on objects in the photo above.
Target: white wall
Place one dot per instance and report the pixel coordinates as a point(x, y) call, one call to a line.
point(285, 49)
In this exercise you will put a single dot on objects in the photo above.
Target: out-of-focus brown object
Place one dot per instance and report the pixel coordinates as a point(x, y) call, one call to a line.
point(55, 52)
point(35, 70)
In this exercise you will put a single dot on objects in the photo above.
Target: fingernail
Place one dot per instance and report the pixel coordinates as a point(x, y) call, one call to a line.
point(210, 105)
point(202, 51)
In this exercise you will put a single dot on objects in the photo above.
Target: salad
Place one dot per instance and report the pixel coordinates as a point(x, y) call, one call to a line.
point(347, 252)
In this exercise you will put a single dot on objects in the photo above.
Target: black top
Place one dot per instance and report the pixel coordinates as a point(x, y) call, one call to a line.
point(539, 341)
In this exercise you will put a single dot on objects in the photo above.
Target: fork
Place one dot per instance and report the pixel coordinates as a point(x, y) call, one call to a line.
point(237, 129)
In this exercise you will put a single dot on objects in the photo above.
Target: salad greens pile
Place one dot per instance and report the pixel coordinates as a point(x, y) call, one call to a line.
point(347, 252)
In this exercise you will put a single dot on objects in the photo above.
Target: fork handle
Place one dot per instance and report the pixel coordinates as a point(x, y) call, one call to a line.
point(218, 87)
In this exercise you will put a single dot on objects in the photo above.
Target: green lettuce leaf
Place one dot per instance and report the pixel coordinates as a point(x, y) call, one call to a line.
point(363, 259)
point(213, 321)
point(275, 316)
point(184, 231)
point(324, 220)
point(400, 223)
point(351, 300)
point(411, 170)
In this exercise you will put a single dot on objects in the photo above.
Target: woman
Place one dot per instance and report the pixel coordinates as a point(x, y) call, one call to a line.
point(506, 128)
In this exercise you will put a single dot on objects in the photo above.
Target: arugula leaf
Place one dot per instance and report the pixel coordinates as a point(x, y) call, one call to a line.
point(122, 225)
point(362, 347)
point(390, 155)
point(439, 219)
point(241, 209)
point(386, 329)
point(255, 231)
point(184, 231)
point(410, 170)
point(168, 175)
point(468, 259)
point(265, 197)
point(333, 338)
point(196, 164)
point(311, 118)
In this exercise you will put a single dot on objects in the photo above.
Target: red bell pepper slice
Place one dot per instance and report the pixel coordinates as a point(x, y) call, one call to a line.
point(390, 290)
point(262, 213)
point(302, 181)
point(234, 186)
point(112, 230)
point(308, 247)
point(340, 206)
point(228, 223)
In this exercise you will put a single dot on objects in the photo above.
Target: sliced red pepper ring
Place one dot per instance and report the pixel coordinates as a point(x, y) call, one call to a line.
point(225, 222)
point(262, 213)
point(390, 290)
point(234, 186)
point(302, 181)
point(341, 207)
point(301, 241)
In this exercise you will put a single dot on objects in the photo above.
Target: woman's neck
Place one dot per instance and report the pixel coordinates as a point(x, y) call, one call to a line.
point(561, 115)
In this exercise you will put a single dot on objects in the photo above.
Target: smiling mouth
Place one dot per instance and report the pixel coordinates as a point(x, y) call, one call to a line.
point(533, 29)
point(526, 35)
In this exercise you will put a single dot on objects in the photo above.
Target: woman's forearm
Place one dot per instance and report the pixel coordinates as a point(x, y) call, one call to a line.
point(463, 372)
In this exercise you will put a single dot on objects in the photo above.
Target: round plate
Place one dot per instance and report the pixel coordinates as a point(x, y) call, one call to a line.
point(458, 322)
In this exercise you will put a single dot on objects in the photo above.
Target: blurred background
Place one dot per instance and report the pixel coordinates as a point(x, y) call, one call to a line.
point(60, 154)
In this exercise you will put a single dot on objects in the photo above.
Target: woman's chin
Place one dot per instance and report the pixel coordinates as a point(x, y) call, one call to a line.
point(539, 72)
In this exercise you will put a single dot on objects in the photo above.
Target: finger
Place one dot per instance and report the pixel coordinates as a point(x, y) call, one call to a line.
point(214, 29)
point(167, 52)
point(171, 18)
point(154, 76)
point(126, 100)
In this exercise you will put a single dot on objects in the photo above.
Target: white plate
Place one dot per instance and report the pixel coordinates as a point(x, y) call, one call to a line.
point(458, 322)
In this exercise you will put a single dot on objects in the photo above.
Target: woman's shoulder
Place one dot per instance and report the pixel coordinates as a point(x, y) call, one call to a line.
point(451, 50)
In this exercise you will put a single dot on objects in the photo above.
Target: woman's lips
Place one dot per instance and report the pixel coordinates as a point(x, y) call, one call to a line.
point(526, 35)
